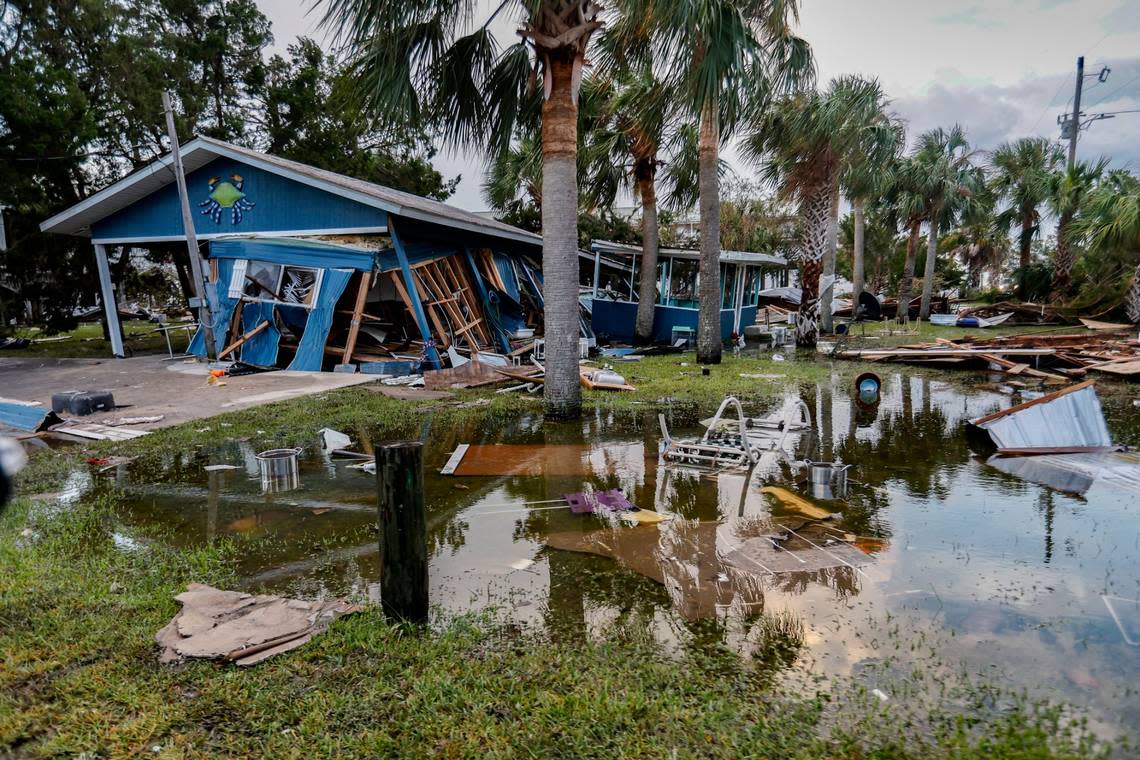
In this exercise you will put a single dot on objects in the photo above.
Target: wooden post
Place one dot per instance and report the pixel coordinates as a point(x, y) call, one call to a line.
point(205, 315)
point(403, 531)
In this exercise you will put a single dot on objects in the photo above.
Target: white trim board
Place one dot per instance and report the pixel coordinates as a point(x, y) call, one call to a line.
point(245, 235)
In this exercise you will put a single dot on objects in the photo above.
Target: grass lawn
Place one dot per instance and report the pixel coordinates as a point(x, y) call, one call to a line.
point(79, 673)
point(86, 341)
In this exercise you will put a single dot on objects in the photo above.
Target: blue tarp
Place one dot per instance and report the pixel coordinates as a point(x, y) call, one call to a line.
point(507, 275)
point(305, 253)
point(261, 349)
point(221, 306)
point(311, 351)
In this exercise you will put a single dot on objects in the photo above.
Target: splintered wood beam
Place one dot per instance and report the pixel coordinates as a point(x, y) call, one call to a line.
point(242, 340)
point(366, 279)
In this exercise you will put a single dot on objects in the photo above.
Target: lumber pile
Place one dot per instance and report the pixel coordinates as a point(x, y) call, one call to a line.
point(1045, 356)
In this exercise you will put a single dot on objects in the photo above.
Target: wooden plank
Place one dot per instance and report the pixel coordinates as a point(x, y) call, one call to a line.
point(357, 311)
point(962, 352)
point(455, 458)
point(242, 340)
point(1092, 324)
point(1122, 368)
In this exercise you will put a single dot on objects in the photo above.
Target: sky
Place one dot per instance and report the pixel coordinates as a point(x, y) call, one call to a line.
point(1002, 69)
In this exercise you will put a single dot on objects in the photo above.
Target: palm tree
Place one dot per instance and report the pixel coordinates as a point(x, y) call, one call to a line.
point(514, 176)
point(1023, 175)
point(806, 140)
point(864, 181)
point(725, 55)
point(951, 182)
point(1110, 223)
point(904, 200)
point(1070, 188)
point(423, 63)
point(979, 247)
point(623, 151)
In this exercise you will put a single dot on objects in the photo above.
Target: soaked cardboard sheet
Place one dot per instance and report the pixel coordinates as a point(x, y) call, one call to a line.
point(236, 627)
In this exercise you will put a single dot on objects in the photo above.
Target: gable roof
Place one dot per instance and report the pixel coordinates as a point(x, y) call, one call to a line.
point(199, 151)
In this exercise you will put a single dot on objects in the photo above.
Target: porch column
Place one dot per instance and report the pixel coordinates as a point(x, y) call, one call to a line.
point(110, 306)
point(597, 269)
point(738, 301)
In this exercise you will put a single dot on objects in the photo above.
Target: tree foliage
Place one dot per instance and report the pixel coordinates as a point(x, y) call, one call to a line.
point(80, 106)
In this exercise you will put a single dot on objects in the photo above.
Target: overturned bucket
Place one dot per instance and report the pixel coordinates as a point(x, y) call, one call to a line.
point(279, 469)
point(828, 480)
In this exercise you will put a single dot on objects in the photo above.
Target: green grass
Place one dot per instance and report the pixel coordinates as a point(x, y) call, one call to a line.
point(86, 342)
point(79, 675)
point(79, 671)
point(889, 333)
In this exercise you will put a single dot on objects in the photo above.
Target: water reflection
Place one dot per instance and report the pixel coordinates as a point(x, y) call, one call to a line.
point(972, 564)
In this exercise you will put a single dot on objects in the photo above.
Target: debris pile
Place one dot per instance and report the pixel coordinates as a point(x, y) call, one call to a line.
point(1046, 356)
point(242, 628)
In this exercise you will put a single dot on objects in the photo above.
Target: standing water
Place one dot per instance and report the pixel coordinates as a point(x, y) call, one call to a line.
point(1029, 577)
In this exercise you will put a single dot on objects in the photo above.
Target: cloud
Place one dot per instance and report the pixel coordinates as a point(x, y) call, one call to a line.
point(972, 16)
point(993, 114)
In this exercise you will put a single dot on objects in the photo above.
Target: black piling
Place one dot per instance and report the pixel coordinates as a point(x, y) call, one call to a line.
point(403, 531)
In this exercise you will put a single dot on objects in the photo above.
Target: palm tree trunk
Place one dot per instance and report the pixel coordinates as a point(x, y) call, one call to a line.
point(928, 271)
point(1063, 266)
point(561, 387)
point(857, 273)
point(815, 216)
point(829, 259)
point(647, 289)
point(1025, 241)
point(708, 319)
point(906, 284)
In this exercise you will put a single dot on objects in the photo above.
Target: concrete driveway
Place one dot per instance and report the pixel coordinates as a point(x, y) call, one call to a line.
point(151, 385)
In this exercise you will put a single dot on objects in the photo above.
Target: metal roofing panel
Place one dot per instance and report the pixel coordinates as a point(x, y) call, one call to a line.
point(1069, 419)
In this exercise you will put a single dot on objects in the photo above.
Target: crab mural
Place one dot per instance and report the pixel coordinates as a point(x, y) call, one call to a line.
point(225, 194)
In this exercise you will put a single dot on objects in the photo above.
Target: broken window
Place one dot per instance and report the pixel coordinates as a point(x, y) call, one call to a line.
point(280, 283)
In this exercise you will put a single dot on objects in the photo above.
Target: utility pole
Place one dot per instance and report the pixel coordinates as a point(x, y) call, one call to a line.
point(1075, 124)
point(205, 318)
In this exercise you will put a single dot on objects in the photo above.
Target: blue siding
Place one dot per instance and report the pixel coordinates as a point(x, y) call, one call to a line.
point(279, 204)
point(616, 319)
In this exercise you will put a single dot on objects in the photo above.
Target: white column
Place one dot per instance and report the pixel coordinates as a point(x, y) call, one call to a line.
point(110, 306)
point(597, 270)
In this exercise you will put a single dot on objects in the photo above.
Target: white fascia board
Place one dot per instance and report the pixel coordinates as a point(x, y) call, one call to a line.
point(259, 234)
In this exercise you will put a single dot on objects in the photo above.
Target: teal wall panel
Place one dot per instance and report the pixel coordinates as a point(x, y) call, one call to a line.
point(270, 203)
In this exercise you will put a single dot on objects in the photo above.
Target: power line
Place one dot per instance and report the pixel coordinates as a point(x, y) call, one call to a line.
point(1118, 89)
point(1049, 104)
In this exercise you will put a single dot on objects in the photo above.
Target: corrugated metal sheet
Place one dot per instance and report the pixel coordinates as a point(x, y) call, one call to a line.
point(1075, 473)
point(1070, 419)
point(22, 415)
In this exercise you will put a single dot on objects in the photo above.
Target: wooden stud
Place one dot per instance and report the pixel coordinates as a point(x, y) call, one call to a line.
point(366, 279)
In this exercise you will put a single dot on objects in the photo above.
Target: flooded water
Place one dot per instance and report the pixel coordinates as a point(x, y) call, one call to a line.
point(1029, 577)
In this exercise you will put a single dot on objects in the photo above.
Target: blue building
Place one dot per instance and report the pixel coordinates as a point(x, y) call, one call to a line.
point(308, 269)
point(612, 294)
